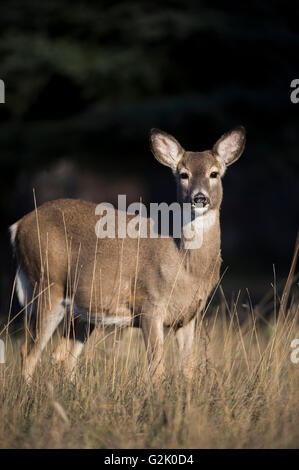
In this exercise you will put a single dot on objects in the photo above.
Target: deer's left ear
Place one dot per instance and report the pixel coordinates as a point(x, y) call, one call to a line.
point(231, 145)
point(166, 148)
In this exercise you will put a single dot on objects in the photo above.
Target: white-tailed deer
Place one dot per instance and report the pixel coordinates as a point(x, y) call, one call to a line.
point(65, 270)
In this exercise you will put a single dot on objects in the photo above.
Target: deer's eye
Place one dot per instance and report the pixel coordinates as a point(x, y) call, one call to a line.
point(184, 176)
point(214, 174)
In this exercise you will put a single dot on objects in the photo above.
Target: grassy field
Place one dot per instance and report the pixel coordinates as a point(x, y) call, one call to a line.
point(244, 394)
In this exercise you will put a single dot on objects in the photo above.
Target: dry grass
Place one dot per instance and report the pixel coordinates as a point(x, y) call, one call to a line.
point(245, 392)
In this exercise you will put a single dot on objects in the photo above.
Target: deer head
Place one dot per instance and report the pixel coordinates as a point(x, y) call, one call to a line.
point(198, 174)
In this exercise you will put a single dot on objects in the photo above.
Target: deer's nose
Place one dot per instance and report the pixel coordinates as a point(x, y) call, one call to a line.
point(200, 200)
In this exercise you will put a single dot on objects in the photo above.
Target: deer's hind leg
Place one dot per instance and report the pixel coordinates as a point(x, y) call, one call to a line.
point(75, 334)
point(47, 313)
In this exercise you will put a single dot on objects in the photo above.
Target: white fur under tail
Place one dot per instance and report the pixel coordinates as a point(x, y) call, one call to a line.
point(23, 288)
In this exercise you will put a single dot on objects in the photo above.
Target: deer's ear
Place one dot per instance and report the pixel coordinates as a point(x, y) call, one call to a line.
point(231, 145)
point(165, 148)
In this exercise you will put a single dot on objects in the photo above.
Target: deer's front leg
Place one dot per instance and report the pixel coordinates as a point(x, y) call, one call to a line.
point(152, 329)
point(185, 340)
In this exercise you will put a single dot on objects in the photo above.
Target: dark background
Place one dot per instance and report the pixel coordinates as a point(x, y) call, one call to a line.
point(85, 81)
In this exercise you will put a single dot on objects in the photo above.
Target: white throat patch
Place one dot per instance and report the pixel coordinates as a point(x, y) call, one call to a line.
point(194, 230)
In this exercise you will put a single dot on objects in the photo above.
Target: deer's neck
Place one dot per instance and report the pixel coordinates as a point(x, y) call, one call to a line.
point(200, 244)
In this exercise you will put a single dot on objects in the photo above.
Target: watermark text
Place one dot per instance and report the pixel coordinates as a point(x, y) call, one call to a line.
point(2, 92)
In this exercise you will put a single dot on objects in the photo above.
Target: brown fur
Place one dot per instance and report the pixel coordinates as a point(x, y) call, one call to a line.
point(155, 281)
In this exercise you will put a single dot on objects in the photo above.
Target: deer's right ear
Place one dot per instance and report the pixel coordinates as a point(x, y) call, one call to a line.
point(166, 148)
point(231, 145)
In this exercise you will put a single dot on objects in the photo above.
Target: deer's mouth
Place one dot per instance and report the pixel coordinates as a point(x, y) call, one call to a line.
point(200, 209)
point(200, 203)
